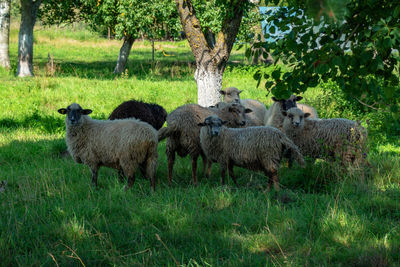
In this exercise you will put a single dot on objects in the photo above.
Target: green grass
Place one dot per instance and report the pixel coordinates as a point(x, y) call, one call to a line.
point(50, 214)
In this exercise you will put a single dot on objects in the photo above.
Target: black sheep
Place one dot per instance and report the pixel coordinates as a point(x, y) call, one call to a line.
point(153, 114)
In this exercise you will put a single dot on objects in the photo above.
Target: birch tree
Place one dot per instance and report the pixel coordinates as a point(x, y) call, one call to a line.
point(4, 33)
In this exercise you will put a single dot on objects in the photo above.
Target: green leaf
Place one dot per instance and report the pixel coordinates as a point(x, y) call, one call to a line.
point(322, 68)
point(396, 12)
point(272, 29)
point(257, 75)
point(276, 74)
point(389, 91)
point(387, 42)
point(337, 61)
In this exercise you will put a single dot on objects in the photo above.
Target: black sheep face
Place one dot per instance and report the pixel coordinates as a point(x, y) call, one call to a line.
point(287, 104)
point(74, 114)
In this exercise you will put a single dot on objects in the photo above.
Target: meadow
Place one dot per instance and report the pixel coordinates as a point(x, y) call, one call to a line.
point(51, 215)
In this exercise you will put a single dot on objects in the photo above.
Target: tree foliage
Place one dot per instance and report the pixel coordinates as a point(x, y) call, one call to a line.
point(349, 42)
point(152, 19)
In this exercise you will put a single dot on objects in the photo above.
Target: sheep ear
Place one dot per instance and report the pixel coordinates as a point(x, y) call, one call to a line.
point(201, 124)
point(240, 92)
point(284, 113)
point(247, 110)
point(62, 111)
point(298, 98)
point(306, 115)
point(222, 92)
point(86, 111)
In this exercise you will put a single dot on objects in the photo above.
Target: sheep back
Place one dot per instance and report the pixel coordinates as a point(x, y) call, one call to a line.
point(255, 118)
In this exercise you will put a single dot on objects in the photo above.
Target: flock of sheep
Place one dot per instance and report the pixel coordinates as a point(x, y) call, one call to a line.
point(235, 132)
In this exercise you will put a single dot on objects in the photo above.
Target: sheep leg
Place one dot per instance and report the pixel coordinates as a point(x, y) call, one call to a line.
point(223, 174)
point(204, 165)
point(131, 181)
point(94, 171)
point(171, 160)
point(272, 178)
point(151, 168)
point(208, 168)
point(121, 176)
point(231, 174)
point(194, 169)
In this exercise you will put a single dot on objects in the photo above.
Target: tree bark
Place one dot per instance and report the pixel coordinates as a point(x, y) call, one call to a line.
point(211, 58)
point(207, 80)
point(124, 54)
point(29, 9)
point(4, 33)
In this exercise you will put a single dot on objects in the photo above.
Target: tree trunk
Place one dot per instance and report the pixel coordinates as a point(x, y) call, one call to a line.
point(124, 54)
point(258, 53)
point(29, 10)
point(211, 55)
point(209, 83)
point(4, 33)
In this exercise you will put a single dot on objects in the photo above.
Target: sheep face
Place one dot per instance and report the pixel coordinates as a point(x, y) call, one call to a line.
point(231, 95)
point(294, 118)
point(287, 104)
point(74, 114)
point(213, 124)
point(235, 114)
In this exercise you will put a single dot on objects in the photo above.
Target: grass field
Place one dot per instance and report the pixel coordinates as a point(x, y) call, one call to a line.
point(51, 215)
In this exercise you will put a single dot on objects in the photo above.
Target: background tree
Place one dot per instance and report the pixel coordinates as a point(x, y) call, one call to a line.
point(123, 19)
point(4, 33)
point(211, 28)
point(349, 42)
point(29, 10)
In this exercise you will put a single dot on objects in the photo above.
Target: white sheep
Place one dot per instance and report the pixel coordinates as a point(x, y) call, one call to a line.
point(255, 148)
point(274, 117)
point(183, 132)
point(255, 118)
point(120, 144)
point(330, 139)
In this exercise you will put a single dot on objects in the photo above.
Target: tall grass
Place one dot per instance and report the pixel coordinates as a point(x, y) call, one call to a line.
point(51, 215)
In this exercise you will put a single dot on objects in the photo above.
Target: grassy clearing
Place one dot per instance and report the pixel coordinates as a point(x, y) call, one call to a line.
point(50, 214)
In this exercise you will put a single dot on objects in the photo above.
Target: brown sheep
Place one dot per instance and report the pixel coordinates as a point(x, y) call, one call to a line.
point(254, 148)
point(183, 131)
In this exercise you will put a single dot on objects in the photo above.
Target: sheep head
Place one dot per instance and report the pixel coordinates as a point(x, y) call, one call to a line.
point(213, 124)
point(294, 118)
point(231, 94)
point(74, 114)
point(288, 103)
point(233, 113)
